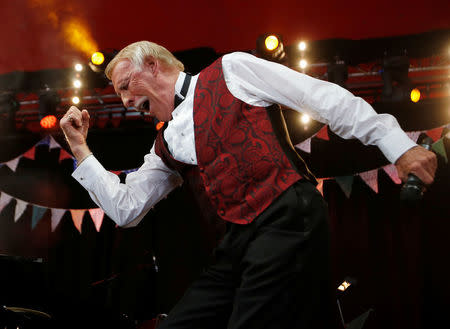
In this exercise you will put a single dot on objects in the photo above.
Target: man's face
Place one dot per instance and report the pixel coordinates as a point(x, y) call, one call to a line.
point(143, 89)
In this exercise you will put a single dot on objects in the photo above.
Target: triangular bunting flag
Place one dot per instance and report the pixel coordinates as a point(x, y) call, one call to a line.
point(77, 217)
point(345, 182)
point(319, 186)
point(30, 153)
point(20, 208)
point(439, 148)
point(392, 172)
point(64, 155)
point(117, 172)
point(371, 179)
point(53, 144)
point(323, 133)
point(56, 217)
point(97, 215)
point(12, 164)
point(305, 146)
point(4, 200)
point(414, 135)
point(44, 141)
point(38, 213)
point(435, 133)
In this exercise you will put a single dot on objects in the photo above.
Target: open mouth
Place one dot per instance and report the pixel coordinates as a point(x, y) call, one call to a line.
point(145, 106)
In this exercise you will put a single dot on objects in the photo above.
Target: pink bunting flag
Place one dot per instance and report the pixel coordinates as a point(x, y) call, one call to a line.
point(323, 133)
point(319, 186)
point(12, 164)
point(371, 179)
point(4, 200)
point(305, 146)
point(97, 215)
point(392, 172)
point(53, 144)
point(56, 217)
point(414, 135)
point(30, 153)
point(20, 209)
point(77, 217)
point(64, 155)
point(435, 133)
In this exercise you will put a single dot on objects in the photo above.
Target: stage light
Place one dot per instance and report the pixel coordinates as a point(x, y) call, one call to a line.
point(159, 125)
point(77, 83)
point(75, 100)
point(271, 42)
point(97, 58)
point(303, 63)
point(305, 118)
point(78, 67)
point(48, 103)
point(415, 95)
point(344, 286)
point(270, 47)
point(396, 83)
point(48, 122)
point(337, 72)
point(302, 46)
point(8, 108)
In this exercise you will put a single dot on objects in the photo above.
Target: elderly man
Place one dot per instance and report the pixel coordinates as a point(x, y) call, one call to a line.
point(224, 136)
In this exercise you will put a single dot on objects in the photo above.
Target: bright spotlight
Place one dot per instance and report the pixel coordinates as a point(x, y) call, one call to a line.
point(77, 83)
point(415, 95)
point(76, 100)
point(305, 118)
point(271, 42)
point(302, 46)
point(97, 58)
point(303, 64)
point(78, 67)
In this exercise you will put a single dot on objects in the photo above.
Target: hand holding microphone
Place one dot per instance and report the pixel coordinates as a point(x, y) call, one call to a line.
point(416, 168)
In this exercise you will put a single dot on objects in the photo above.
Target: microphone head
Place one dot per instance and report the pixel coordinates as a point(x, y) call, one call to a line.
point(411, 193)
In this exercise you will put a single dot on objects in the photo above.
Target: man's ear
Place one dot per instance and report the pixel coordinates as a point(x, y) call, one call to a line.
point(151, 64)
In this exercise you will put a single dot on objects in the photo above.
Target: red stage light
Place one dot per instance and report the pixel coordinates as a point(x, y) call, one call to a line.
point(48, 122)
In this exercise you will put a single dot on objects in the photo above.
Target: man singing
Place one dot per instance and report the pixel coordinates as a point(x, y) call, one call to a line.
point(225, 137)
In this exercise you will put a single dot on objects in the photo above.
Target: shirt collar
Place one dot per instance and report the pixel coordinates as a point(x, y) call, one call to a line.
point(179, 84)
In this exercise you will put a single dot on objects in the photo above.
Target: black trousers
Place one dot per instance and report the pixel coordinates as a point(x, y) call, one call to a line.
point(271, 273)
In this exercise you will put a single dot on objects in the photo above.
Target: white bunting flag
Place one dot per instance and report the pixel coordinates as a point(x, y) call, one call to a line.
point(20, 208)
point(56, 217)
point(4, 200)
point(305, 145)
point(12, 164)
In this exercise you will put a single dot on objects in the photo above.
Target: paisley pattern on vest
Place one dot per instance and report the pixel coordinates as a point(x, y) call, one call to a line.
point(240, 160)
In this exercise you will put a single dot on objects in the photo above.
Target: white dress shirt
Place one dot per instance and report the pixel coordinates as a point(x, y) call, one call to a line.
point(254, 81)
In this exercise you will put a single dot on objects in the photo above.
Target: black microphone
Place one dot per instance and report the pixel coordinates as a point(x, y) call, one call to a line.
point(413, 189)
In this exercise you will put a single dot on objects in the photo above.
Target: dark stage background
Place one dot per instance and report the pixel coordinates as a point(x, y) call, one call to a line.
point(398, 254)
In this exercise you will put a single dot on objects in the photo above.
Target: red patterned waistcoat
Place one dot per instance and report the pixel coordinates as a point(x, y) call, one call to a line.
point(245, 158)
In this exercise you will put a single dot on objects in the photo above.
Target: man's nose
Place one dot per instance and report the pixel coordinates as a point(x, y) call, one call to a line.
point(128, 101)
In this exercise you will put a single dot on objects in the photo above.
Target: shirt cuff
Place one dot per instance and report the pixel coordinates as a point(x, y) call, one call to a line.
point(88, 172)
point(394, 144)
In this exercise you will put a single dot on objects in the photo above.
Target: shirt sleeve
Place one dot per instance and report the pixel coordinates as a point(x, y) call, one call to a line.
point(262, 83)
point(126, 204)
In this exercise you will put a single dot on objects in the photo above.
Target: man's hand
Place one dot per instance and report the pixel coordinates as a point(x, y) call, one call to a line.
point(417, 161)
point(75, 125)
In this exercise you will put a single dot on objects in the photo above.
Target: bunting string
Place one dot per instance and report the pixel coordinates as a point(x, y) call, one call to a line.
point(345, 182)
